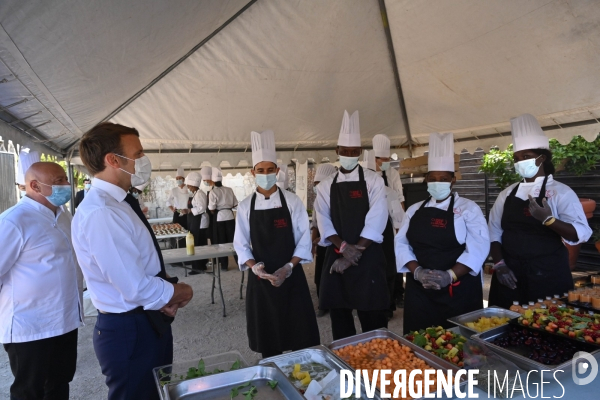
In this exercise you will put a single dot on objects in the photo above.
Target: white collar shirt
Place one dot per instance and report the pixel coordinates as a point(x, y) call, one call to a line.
point(376, 218)
point(40, 281)
point(116, 253)
point(300, 225)
point(394, 182)
point(222, 199)
point(179, 197)
point(200, 206)
point(562, 200)
point(469, 227)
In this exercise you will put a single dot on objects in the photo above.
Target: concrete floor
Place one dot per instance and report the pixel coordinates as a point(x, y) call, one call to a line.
point(199, 331)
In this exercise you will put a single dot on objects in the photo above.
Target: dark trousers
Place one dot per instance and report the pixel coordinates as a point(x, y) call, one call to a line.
point(342, 321)
point(181, 220)
point(399, 287)
point(319, 260)
point(200, 239)
point(225, 232)
point(127, 349)
point(43, 368)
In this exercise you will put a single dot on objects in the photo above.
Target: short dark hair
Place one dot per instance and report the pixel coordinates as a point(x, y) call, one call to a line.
point(548, 164)
point(87, 180)
point(101, 140)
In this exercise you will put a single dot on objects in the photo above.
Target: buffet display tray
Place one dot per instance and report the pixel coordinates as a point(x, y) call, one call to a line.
point(473, 316)
point(218, 387)
point(518, 354)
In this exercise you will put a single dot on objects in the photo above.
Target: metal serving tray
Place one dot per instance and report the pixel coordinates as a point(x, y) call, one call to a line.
point(519, 359)
point(431, 359)
point(473, 316)
point(302, 356)
point(218, 387)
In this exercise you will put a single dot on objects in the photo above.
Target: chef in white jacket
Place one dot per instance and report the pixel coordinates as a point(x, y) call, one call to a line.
point(442, 245)
point(352, 214)
point(272, 238)
point(197, 219)
point(221, 202)
point(529, 222)
point(178, 202)
point(282, 176)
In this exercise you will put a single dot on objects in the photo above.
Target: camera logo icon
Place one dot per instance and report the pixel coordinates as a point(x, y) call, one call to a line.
point(584, 363)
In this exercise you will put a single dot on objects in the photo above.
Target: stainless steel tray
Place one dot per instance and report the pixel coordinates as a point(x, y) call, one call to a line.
point(431, 359)
point(218, 387)
point(302, 356)
point(520, 360)
point(473, 316)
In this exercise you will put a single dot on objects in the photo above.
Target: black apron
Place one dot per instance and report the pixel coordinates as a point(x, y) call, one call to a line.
point(390, 254)
point(278, 318)
point(534, 252)
point(432, 237)
point(212, 222)
point(193, 223)
point(361, 287)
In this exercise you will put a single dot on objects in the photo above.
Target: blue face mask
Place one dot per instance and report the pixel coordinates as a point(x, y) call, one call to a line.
point(315, 189)
point(267, 181)
point(179, 182)
point(135, 195)
point(527, 168)
point(87, 186)
point(439, 190)
point(385, 165)
point(60, 194)
point(348, 163)
point(23, 193)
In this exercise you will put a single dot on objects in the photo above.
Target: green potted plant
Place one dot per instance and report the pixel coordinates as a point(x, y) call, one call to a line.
point(499, 164)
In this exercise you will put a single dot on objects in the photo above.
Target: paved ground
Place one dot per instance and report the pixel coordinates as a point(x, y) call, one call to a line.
point(199, 330)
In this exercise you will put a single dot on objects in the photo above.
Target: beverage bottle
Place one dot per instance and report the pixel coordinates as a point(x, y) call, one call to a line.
point(189, 244)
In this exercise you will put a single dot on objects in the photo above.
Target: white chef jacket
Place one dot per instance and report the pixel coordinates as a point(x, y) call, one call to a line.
point(394, 182)
point(116, 253)
point(40, 282)
point(222, 199)
point(563, 202)
point(469, 227)
point(300, 225)
point(200, 206)
point(179, 198)
point(376, 218)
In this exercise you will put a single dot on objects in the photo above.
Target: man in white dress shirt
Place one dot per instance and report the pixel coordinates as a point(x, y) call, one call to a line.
point(123, 265)
point(40, 287)
point(352, 213)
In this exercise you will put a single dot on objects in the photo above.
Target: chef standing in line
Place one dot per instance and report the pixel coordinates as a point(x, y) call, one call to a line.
point(352, 213)
point(178, 202)
point(197, 219)
point(272, 238)
point(221, 202)
point(207, 185)
point(529, 222)
point(318, 251)
point(442, 244)
point(282, 177)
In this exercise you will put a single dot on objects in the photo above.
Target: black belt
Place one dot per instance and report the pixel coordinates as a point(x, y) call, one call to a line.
point(137, 310)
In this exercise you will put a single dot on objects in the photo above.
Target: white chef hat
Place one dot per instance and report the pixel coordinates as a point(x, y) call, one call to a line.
point(350, 131)
point(26, 159)
point(193, 179)
point(323, 171)
point(369, 160)
point(206, 173)
point(527, 133)
point(441, 152)
point(381, 145)
point(282, 176)
point(180, 171)
point(263, 147)
point(142, 187)
point(217, 175)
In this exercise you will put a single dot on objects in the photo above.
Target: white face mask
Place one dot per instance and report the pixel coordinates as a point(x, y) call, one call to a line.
point(143, 170)
point(23, 193)
point(348, 163)
point(385, 165)
point(439, 190)
point(527, 168)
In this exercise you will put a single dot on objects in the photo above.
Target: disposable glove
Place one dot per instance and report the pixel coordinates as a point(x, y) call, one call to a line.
point(505, 275)
point(351, 252)
point(259, 270)
point(436, 279)
point(340, 265)
point(537, 212)
point(280, 275)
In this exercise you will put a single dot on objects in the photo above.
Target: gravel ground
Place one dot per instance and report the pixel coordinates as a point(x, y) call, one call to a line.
point(199, 331)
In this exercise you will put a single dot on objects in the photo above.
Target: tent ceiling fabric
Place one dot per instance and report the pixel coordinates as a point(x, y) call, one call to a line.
point(290, 66)
point(465, 66)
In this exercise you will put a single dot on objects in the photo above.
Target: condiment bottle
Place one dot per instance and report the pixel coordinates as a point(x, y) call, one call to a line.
point(539, 303)
point(189, 244)
point(531, 304)
point(515, 307)
point(548, 300)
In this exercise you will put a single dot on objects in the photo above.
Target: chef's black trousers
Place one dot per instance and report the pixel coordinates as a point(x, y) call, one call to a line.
point(128, 348)
point(342, 321)
point(43, 368)
point(225, 232)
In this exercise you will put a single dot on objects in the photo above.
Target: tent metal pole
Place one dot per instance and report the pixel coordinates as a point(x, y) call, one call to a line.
point(71, 180)
point(388, 35)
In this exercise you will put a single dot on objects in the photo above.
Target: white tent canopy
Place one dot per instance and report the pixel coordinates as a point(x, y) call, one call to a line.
point(195, 77)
